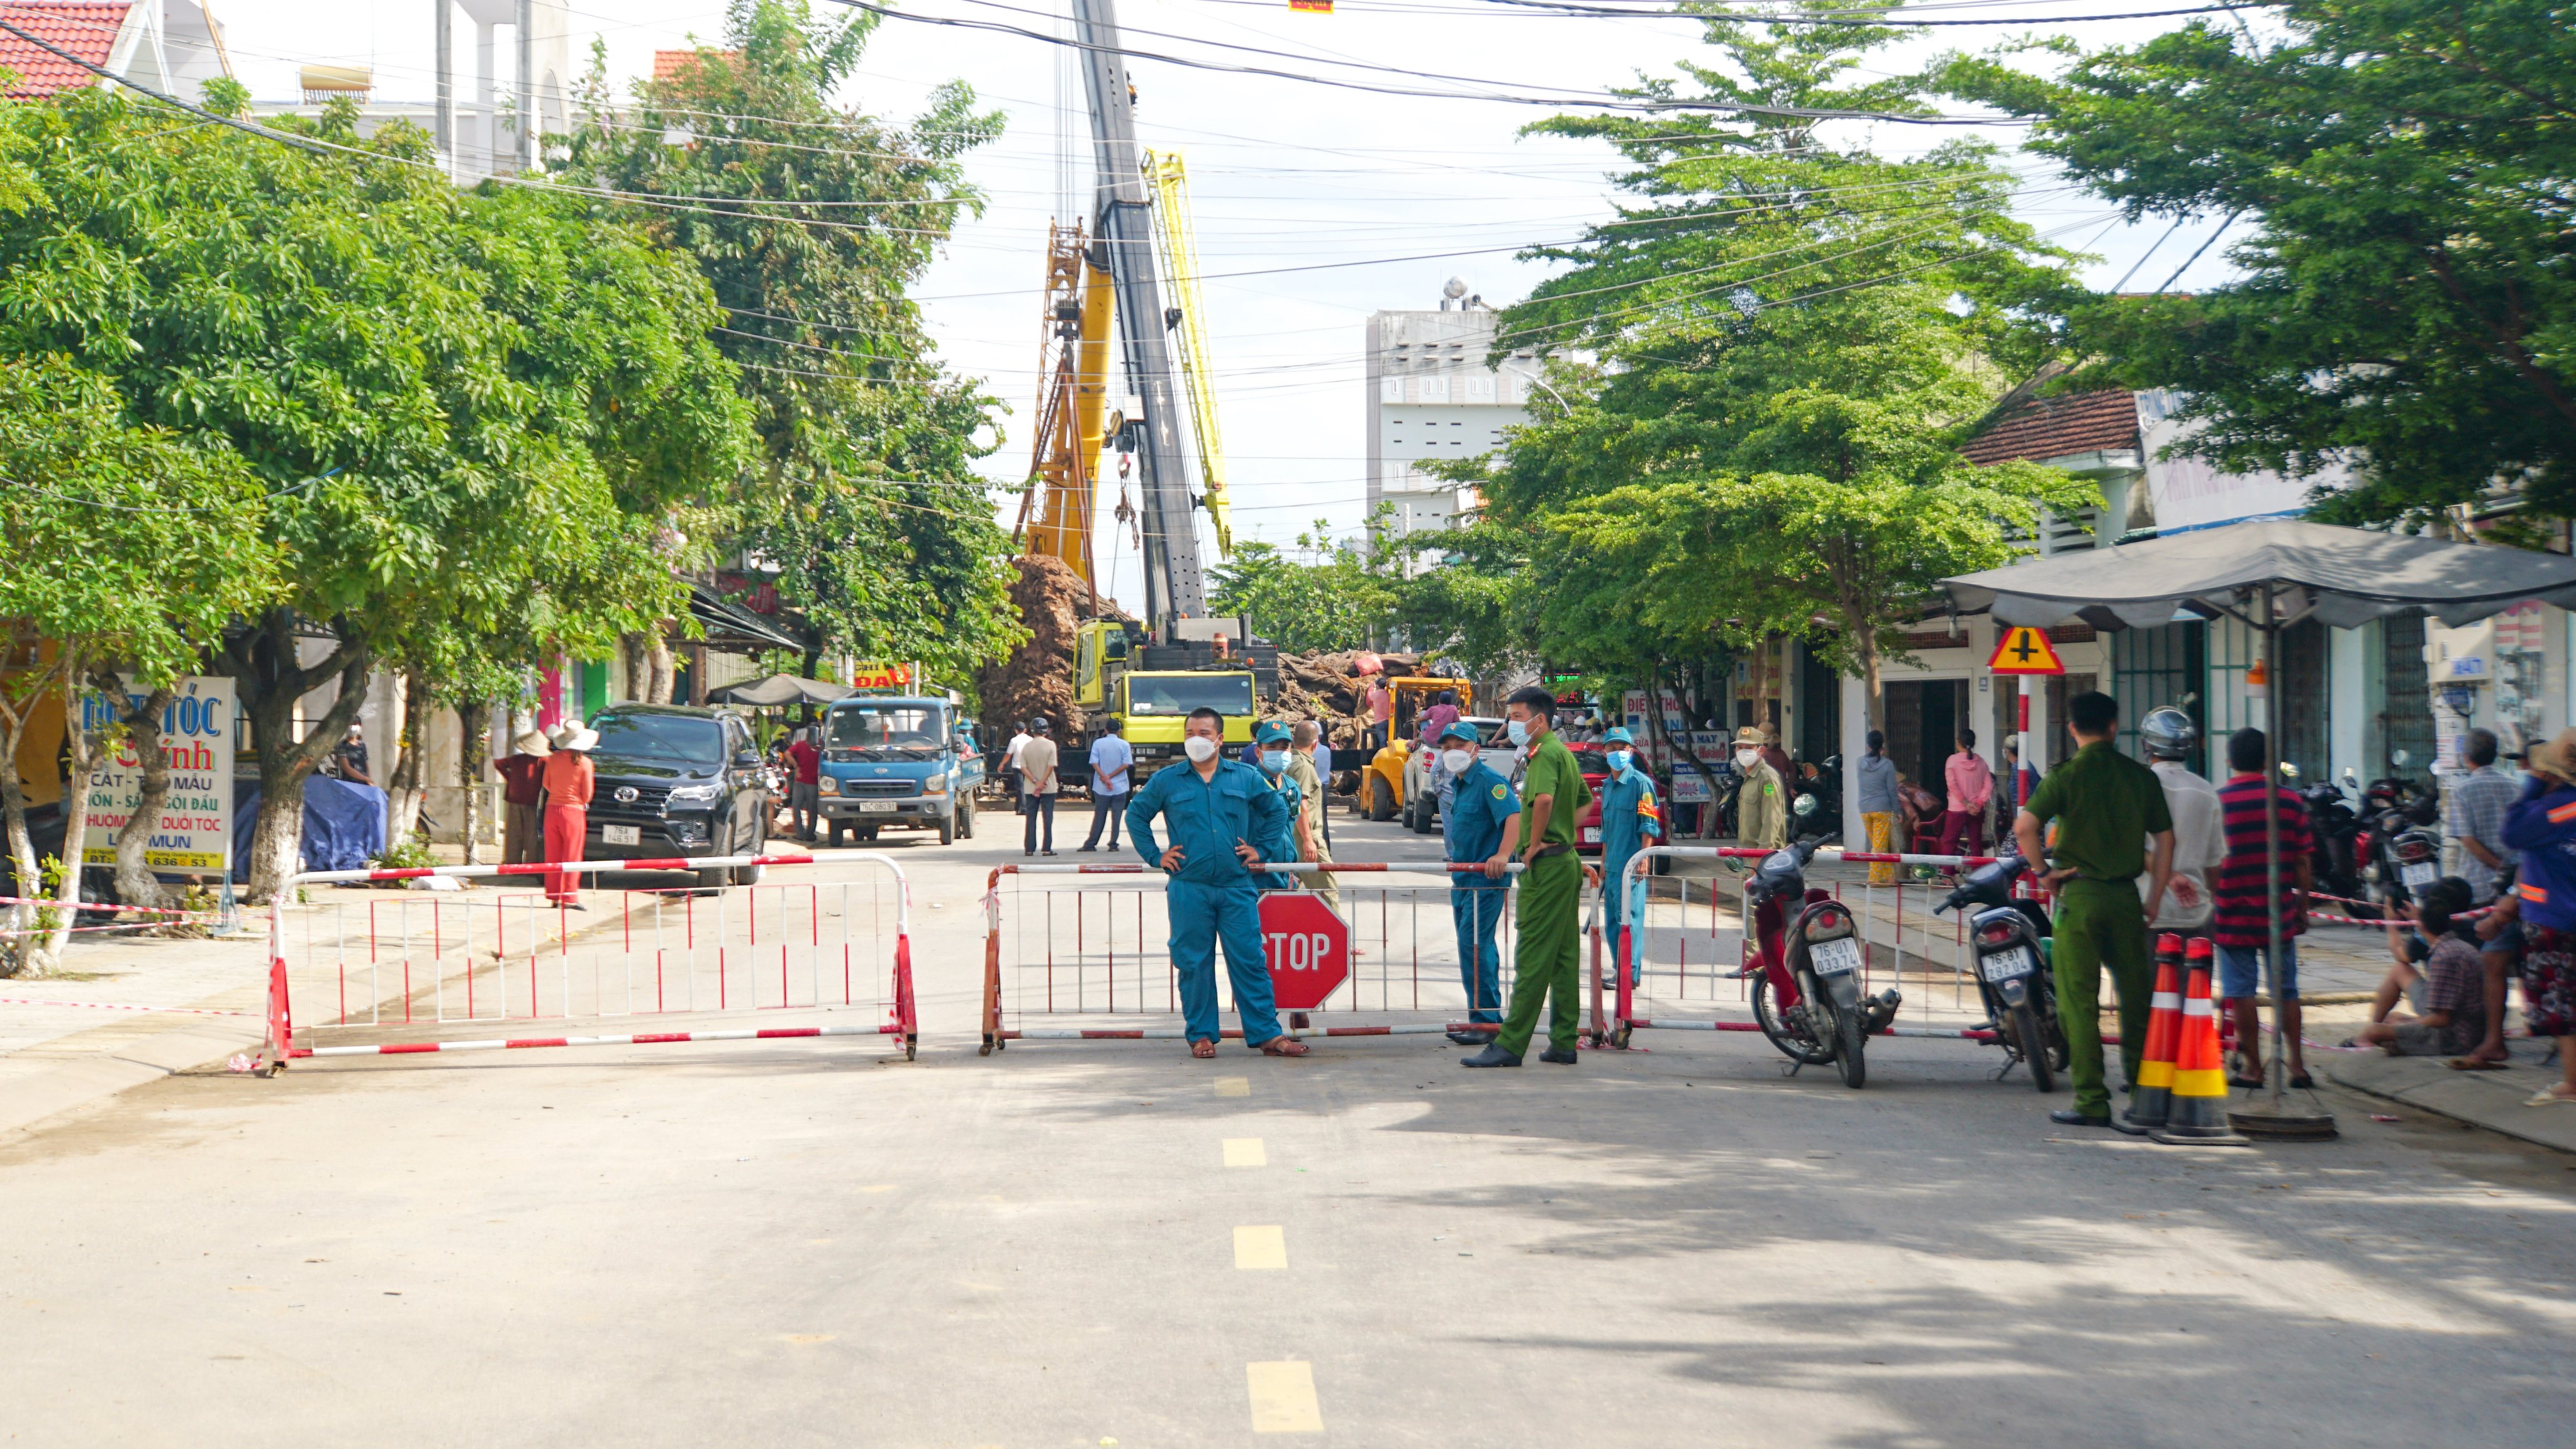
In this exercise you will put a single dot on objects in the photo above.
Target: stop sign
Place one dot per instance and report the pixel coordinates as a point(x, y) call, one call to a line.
point(1307, 947)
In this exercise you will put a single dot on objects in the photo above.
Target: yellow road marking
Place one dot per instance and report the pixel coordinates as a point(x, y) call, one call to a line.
point(1234, 1086)
point(1283, 1398)
point(1245, 1152)
point(807, 1337)
point(1260, 1248)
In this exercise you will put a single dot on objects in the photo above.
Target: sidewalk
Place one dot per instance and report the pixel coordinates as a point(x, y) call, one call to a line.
point(2492, 1100)
point(107, 1022)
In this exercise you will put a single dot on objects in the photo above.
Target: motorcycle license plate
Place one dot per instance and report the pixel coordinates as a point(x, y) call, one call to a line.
point(1591, 837)
point(2005, 965)
point(2418, 874)
point(876, 807)
point(621, 835)
point(1834, 958)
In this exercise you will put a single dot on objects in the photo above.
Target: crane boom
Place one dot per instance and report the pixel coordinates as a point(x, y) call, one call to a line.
point(1073, 376)
point(1170, 179)
point(1123, 233)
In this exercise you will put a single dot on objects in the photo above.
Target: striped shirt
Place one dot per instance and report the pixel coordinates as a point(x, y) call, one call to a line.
point(2478, 802)
point(2241, 919)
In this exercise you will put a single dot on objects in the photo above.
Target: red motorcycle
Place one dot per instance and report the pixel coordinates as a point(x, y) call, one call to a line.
point(1806, 970)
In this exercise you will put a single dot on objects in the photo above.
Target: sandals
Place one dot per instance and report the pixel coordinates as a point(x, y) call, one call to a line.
point(1203, 1050)
point(1281, 1046)
point(2475, 1064)
point(2548, 1096)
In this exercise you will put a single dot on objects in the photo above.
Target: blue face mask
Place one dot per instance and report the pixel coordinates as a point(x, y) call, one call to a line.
point(1619, 761)
point(1273, 761)
point(1517, 731)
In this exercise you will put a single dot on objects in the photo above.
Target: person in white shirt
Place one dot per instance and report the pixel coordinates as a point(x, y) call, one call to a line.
point(1011, 768)
point(2199, 824)
point(1038, 786)
point(1113, 763)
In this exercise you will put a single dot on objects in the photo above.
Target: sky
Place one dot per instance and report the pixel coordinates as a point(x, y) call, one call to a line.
point(1314, 206)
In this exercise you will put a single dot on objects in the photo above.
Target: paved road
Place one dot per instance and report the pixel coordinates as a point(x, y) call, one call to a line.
point(1075, 1244)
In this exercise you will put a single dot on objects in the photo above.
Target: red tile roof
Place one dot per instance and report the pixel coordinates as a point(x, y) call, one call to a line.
point(2060, 427)
point(669, 63)
point(86, 28)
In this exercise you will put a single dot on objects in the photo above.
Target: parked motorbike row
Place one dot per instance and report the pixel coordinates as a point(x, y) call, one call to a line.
point(2379, 851)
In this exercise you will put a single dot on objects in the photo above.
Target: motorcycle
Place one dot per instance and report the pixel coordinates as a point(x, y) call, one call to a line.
point(2396, 854)
point(1806, 971)
point(2335, 826)
point(2013, 975)
point(1819, 806)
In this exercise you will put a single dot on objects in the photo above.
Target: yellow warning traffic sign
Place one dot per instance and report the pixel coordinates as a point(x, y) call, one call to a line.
point(2024, 651)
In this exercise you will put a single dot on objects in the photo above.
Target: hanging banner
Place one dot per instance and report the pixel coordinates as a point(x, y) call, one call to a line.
point(881, 676)
point(196, 829)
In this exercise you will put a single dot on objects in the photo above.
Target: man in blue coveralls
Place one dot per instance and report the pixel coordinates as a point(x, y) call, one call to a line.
point(1271, 744)
point(1215, 809)
point(1476, 828)
point(1627, 824)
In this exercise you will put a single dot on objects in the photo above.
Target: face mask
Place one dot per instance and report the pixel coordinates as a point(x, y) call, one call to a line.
point(1199, 748)
point(1517, 731)
point(1457, 762)
point(1273, 761)
point(1744, 759)
point(1619, 760)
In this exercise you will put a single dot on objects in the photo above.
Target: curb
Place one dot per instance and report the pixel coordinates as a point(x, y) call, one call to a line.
point(39, 1097)
point(2474, 1098)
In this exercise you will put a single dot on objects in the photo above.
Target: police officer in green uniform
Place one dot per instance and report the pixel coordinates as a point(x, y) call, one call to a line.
point(1550, 921)
point(2106, 805)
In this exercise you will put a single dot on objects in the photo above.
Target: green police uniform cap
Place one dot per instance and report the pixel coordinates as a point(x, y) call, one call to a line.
point(1273, 733)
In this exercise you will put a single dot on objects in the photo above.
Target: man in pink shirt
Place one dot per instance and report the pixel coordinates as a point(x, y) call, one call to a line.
point(1972, 788)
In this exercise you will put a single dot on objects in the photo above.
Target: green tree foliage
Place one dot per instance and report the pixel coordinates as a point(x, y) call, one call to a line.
point(811, 221)
point(2410, 291)
point(128, 546)
point(1331, 595)
point(467, 404)
point(1787, 340)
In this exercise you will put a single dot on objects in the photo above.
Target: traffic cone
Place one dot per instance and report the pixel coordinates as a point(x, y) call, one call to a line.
point(2197, 1113)
point(2151, 1095)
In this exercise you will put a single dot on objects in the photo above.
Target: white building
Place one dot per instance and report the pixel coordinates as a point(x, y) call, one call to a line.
point(520, 65)
point(173, 46)
point(1431, 395)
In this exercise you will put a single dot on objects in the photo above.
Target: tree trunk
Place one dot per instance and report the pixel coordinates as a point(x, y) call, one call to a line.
point(135, 883)
point(1762, 682)
point(658, 657)
point(403, 787)
point(260, 656)
point(82, 749)
point(636, 650)
point(474, 743)
point(15, 949)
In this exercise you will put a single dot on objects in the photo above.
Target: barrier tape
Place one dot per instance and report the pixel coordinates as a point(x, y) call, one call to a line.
point(117, 1006)
point(640, 1038)
point(103, 907)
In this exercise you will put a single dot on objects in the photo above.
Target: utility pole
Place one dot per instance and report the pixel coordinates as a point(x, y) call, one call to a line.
point(446, 43)
point(1174, 587)
point(526, 45)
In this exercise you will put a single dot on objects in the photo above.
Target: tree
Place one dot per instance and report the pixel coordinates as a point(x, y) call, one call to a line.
point(446, 393)
point(1333, 595)
point(130, 546)
point(2407, 305)
point(1787, 342)
point(810, 222)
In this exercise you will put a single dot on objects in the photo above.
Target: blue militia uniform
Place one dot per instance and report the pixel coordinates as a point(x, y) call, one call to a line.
point(1212, 897)
point(1627, 823)
point(1472, 828)
point(1282, 846)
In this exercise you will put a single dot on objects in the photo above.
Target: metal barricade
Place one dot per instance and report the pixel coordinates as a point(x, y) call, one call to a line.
point(380, 973)
point(1691, 955)
point(1082, 953)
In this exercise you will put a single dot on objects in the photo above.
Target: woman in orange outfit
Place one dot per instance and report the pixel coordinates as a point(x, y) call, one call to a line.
point(568, 779)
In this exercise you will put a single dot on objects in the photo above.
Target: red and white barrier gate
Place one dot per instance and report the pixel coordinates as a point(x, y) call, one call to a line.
point(1082, 953)
point(1690, 949)
point(379, 973)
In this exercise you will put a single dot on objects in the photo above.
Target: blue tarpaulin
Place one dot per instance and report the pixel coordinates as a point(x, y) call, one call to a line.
point(344, 824)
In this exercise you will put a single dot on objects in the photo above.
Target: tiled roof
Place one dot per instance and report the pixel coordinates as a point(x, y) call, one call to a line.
point(2059, 427)
point(86, 28)
point(669, 63)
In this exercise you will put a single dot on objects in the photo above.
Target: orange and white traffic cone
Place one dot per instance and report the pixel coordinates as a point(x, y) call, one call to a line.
point(2197, 1115)
point(2151, 1095)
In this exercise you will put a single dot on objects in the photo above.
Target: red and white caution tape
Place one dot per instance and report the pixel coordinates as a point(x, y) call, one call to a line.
point(118, 1006)
point(641, 1038)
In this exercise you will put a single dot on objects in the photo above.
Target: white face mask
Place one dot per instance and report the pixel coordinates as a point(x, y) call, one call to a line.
point(1745, 759)
point(1456, 762)
point(1199, 748)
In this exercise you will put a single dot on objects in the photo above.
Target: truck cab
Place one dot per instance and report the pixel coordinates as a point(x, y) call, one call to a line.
point(897, 760)
point(1120, 677)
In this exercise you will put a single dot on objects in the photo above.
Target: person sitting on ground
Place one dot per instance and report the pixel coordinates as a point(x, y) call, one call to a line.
point(2454, 1018)
point(2408, 950)
point(2500, 945)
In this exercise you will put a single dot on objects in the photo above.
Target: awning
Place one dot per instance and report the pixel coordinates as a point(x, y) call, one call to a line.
point(735, 629)
point(2343, 577)
point(780, 689)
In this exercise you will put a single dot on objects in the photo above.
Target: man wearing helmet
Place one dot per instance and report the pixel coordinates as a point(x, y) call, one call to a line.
point(2199, 822)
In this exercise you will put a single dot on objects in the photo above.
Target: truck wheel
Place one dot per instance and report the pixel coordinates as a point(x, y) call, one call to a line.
point(835, 837)
point(948, 828)
point(867, 834)
point(966, 819)
point(1381, 800)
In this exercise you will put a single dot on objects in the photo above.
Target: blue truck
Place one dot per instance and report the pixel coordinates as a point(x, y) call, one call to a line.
point(898, 760)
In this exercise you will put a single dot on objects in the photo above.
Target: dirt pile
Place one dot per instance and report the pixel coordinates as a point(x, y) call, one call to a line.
point(1037, 677)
